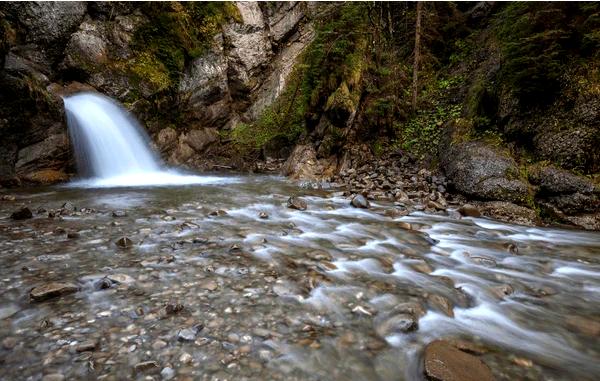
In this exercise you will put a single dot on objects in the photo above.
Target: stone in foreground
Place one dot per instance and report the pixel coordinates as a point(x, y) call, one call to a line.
point(296, 203)
point(52, 290)
point(360, 201)
point(444, 362)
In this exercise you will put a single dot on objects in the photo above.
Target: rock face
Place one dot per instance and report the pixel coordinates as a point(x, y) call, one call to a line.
point(444, 362)
point(482, 172)
point(50, 46)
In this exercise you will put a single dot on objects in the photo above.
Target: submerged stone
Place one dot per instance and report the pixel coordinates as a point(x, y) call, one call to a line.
point(22, 214)
point(52, 290)
point(124, 242)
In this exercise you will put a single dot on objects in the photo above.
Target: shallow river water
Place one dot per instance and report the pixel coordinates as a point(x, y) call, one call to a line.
point(319, 294)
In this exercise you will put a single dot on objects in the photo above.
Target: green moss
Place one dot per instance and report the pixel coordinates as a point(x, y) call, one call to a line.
point(178, 32)
point(147, 68)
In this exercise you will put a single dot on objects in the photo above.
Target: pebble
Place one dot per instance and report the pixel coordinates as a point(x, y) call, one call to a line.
point(186, 334)
point(124, 242)
point(145, 366)
point(359, 201)
point(86, 346)
point(167, 373)
point(159, 344)
point(185, 358)
point(263, 215)
point(209, 285)
point(53, 377)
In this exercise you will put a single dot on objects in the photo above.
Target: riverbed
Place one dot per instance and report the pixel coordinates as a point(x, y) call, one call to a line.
point(224, 281)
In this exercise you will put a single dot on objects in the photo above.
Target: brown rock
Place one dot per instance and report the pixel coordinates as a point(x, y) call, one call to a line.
point(444, 362)
point(296, 203)
point(146, 366)
point(441, 304)
point(22, 214)
point(52, 290)
point(87, 346)
point(584, 325)
point(46, 176)
point(469, 210)
point(124, 243)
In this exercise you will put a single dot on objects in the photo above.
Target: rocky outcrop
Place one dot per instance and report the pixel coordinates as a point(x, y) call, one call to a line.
point(482, 172)
point(53, 45)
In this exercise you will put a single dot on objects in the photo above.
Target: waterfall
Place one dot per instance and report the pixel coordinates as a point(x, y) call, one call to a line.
point(112, 149)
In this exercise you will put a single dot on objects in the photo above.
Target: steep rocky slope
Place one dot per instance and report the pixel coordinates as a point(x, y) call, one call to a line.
point(187, 71)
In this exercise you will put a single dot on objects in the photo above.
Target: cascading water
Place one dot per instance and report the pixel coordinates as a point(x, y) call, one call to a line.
point(112, 149)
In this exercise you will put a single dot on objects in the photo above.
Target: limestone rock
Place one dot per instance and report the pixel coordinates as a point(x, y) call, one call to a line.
point(444, 362)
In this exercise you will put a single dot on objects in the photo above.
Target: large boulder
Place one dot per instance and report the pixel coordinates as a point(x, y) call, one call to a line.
point(482, 172)
point(200, 139)
point(48, 21)
point(51, 153)
point(87, 48)
point(571, 148)
point(554, 181)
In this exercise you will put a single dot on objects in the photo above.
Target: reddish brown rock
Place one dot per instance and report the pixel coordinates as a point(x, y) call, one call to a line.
point(444, 362)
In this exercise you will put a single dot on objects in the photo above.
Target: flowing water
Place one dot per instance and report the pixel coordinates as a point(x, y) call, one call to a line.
point(300, 295)
point(111, 148)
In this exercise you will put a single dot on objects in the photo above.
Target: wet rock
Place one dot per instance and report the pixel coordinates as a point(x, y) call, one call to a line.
point(209, 285)
point(469, 210)
point(441, 304)
point(86, 346)
point(187, 334)
point(9, 343)
point(387, 325)
point(421, 266)
point(318, 255)
point(359, 201)
point(124, 242)
point(217, 213)
point(53, 377)
point(159, 344)
point(584, 325)
point(120, 278)
point(103, 284)
point(146, 367)
point(7, 197)
point(509, 212)
point(296, 203)
point(502, 291)
point(263, 215)
point(167, 373)
point(73, 234)
point(173, 307)
point(444, 362)
point(185, 358)
point(52, 290)
point(22, 214)
point(396, 213)
point(481, 171)
point(435, 205)
point(404, 225)
point(119, 213)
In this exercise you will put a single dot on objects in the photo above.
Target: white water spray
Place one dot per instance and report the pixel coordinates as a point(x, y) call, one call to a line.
point(113, 150)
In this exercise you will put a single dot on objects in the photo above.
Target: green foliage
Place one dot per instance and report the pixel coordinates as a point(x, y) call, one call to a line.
point(538, 40)
point(421, 134)
point(146, 67)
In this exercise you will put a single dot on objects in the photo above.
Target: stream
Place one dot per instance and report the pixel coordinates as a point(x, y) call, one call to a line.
point(211, 289)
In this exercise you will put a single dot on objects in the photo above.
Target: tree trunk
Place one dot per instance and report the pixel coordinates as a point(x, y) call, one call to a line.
point(417, 55)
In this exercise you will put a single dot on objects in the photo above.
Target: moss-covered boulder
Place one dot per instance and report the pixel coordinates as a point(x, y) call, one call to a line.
point(483, 172)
